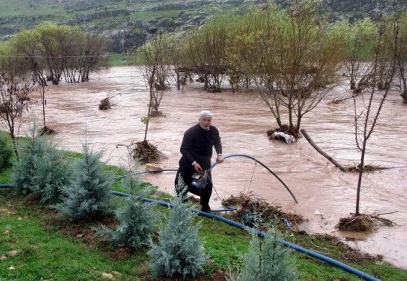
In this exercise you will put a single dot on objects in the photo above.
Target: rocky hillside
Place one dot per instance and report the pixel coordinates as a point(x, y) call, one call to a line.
point(129, 22)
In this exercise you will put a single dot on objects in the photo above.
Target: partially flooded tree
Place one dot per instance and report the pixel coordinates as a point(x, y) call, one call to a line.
point(205, 53)
point(86, 55)
point(59, 51)
point(26, 46)
point(53, 52)
point(50, 47)
point(397, 34)
point(14, 92)
point(244, 36)
point(157, 73)
point(359, 42)
point(366, 116)
point(296, 62)
point(156, 70)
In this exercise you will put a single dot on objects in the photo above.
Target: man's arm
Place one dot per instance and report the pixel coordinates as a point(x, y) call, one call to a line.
point(218, 147)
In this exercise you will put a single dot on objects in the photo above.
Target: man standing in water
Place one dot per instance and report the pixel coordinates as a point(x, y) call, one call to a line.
point(194, 165)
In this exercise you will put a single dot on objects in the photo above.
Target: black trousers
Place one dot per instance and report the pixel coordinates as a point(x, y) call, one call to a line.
point(203, 193)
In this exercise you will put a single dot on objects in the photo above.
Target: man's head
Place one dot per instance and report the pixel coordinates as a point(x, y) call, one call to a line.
point(205, 119)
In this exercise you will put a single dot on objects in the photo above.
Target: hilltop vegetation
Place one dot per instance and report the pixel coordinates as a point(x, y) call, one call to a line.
point(128, 23)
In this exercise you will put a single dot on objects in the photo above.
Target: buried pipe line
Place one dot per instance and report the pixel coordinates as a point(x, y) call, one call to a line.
point(295, 247)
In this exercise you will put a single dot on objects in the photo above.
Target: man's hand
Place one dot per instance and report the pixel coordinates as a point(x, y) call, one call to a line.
point(219, 158)
point(198, 168)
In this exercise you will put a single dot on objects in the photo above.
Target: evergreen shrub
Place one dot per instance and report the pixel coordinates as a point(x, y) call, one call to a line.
point(41, 170)
point(137, 219)
point(179, 252)
point(266, 260)
point(88, 196)
point(6, 152)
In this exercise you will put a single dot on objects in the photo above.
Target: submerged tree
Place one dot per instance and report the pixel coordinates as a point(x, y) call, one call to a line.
point(157, 72)
point(359, 43)
point(15, 88)
point(295, 58)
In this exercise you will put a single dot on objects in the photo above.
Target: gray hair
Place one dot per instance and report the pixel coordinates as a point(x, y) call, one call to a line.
point(205, 114)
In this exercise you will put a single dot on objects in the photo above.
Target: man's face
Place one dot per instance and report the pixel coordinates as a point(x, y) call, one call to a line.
point(205, 122)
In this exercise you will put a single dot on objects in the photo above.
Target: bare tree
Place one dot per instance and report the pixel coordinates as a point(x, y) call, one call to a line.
point(14, 101)
point(15, 87)
point(398, 31)
point(366, 116)
point(359, 42)
point(156, 71)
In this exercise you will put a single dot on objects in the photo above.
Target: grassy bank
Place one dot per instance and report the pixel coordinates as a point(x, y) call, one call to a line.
point(36, 243)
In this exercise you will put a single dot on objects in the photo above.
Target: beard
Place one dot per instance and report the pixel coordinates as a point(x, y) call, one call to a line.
point(206, 128)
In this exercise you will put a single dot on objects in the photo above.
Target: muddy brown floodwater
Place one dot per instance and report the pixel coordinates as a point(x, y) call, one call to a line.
point(324, 193)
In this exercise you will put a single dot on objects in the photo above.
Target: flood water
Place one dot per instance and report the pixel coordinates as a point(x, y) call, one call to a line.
point(323, 191)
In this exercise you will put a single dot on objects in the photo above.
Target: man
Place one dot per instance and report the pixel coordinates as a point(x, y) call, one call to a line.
point(194, 165)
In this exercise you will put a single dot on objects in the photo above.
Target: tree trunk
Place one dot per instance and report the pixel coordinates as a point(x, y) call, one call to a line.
point(333, 161)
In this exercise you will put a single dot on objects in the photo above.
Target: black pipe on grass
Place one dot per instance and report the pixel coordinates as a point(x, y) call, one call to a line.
point(297, 248)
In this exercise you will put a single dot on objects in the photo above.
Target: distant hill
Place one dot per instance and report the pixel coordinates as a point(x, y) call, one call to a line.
point(129, 22)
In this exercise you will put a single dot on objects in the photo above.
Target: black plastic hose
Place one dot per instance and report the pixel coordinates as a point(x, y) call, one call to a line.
point(297, 248)
point(229, 156)
point(267, 168)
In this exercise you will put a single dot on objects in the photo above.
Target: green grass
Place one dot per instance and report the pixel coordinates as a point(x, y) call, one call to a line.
point(43, 253)
point(30, 252)
point(17, 8)
point(34, 247)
